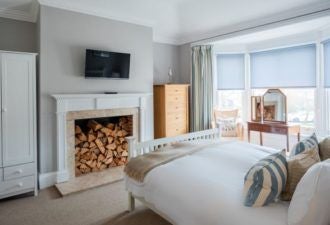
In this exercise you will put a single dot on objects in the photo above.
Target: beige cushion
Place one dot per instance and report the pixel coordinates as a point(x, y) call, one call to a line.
point(324, 147)
point(297, 167)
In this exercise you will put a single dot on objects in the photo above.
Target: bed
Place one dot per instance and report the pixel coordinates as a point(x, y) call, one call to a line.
point(205, 187)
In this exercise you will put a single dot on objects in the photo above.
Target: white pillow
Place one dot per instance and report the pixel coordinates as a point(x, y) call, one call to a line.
point(310, 204)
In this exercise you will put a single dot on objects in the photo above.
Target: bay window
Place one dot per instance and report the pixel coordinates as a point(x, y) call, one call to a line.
point(230, 82)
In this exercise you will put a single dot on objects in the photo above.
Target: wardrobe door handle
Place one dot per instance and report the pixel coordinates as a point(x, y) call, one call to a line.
point(4, 110)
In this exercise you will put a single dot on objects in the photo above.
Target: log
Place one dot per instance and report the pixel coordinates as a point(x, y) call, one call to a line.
point(100, 158)
point(100, 134)
point(111, 146)
point(77, 141)
point(111, 126)
point(84, 150)
point(100, 145)
point(108, 161)
point(85, 145)
point(92, 145)
point(91, 137)
point(106, 131)
point(76, 150)
point(81, 137)
point(124, 153)
point(94, 125)
point(110, 140)
point(77, 130)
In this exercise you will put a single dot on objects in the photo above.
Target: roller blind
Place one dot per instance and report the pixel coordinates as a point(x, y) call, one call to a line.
point(285, 67)
point(327, 64)
point(230, 71)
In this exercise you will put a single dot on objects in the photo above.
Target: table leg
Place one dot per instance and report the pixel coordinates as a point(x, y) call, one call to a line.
point(249, 135)
point(287, 142)
point(261, 141)
point(298, 136)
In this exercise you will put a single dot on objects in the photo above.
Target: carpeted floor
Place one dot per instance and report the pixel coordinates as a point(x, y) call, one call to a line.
point(104, 205)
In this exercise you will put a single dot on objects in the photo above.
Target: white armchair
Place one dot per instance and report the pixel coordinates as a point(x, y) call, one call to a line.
point(227, 121)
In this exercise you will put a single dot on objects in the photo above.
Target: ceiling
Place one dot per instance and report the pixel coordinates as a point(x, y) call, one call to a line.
point(312, 26)
point(174, 21)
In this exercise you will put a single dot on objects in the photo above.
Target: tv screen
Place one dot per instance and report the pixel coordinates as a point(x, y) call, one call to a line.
point(102, 64)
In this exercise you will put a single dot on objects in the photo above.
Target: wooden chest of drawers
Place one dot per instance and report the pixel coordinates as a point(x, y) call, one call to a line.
point(171, 110)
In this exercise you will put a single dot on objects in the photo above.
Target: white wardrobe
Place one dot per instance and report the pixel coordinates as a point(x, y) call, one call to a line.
point(18, 164)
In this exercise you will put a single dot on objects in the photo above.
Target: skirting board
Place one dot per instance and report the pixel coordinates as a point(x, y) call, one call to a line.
point(47, 179)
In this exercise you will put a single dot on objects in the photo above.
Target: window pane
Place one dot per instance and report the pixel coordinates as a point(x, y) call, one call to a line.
point(327, 63)
point(230, 71)
point(228, 100)
point(286, 67)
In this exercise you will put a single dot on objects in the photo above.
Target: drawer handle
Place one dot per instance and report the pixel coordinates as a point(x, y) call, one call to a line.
point(19, 171)
point(4, 110)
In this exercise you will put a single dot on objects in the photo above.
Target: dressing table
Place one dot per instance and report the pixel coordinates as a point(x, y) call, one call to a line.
point(269, 115)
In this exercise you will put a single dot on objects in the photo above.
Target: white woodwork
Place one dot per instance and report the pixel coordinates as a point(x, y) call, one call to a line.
point(23, 170)
point(17, 108)
point(16, 185)
point(136, 149)
point(18, 123)
point(80, 102)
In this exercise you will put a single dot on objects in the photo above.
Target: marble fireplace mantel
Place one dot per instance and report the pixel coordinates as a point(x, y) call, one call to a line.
point(66, 103)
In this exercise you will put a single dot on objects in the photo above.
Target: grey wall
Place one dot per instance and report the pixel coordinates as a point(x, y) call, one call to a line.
point(165, 56)
point(18, 35)
point(185, 63)
point(64, 36)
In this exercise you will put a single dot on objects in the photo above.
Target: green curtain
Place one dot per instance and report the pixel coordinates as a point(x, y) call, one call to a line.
point(202, 88)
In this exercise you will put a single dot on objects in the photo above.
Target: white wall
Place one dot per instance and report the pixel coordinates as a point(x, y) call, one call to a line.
point(17, 35)
point(64, 36)
point(165, 56)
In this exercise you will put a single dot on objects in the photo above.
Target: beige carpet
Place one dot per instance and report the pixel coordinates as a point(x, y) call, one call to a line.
point(104, 205)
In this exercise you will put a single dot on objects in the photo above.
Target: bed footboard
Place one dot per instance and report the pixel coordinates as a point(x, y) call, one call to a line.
point(136, 149)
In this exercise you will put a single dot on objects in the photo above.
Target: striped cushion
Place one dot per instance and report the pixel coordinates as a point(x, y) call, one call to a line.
point(305, 145)
point(265, 181)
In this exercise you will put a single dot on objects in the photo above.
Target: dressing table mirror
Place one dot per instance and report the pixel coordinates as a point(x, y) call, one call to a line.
point(274, 106)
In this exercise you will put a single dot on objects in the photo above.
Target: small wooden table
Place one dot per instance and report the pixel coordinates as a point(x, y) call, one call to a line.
point(274, 128)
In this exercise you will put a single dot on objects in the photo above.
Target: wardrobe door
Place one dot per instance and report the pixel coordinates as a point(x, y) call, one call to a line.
point(18, 71)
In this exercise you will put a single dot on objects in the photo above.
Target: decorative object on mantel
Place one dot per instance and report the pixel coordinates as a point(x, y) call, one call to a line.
point(170, 75)
point(269, 115)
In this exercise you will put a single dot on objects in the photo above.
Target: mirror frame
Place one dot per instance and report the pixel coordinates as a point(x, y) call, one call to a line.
point(285, 107)
point(254, 102)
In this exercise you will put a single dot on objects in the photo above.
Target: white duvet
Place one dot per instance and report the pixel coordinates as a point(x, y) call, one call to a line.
point(206, 188)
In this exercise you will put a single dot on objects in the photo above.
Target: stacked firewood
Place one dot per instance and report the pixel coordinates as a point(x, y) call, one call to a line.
point(101, 146)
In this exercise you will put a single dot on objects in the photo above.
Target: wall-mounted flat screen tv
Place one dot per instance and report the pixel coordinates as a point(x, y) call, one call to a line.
point(103, 64)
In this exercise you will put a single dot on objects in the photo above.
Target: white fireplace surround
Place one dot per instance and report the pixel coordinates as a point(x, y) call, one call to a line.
point(79, 102)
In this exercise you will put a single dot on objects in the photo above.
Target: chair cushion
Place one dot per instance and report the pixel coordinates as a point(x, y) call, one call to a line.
point(297, 167)
point(228, 127)
point(305, 145)
point(265, 181)
point(324, 148)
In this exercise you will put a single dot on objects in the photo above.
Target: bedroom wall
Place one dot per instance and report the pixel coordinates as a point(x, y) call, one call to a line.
point(165, 56)
point(18, 35)
point(64, 36)
point(185, 63)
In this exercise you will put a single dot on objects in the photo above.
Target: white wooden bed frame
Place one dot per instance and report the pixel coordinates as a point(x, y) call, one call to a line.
point(136, 149)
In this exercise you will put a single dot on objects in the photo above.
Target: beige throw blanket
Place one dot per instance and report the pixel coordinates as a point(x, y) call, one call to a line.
point(137, 168)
